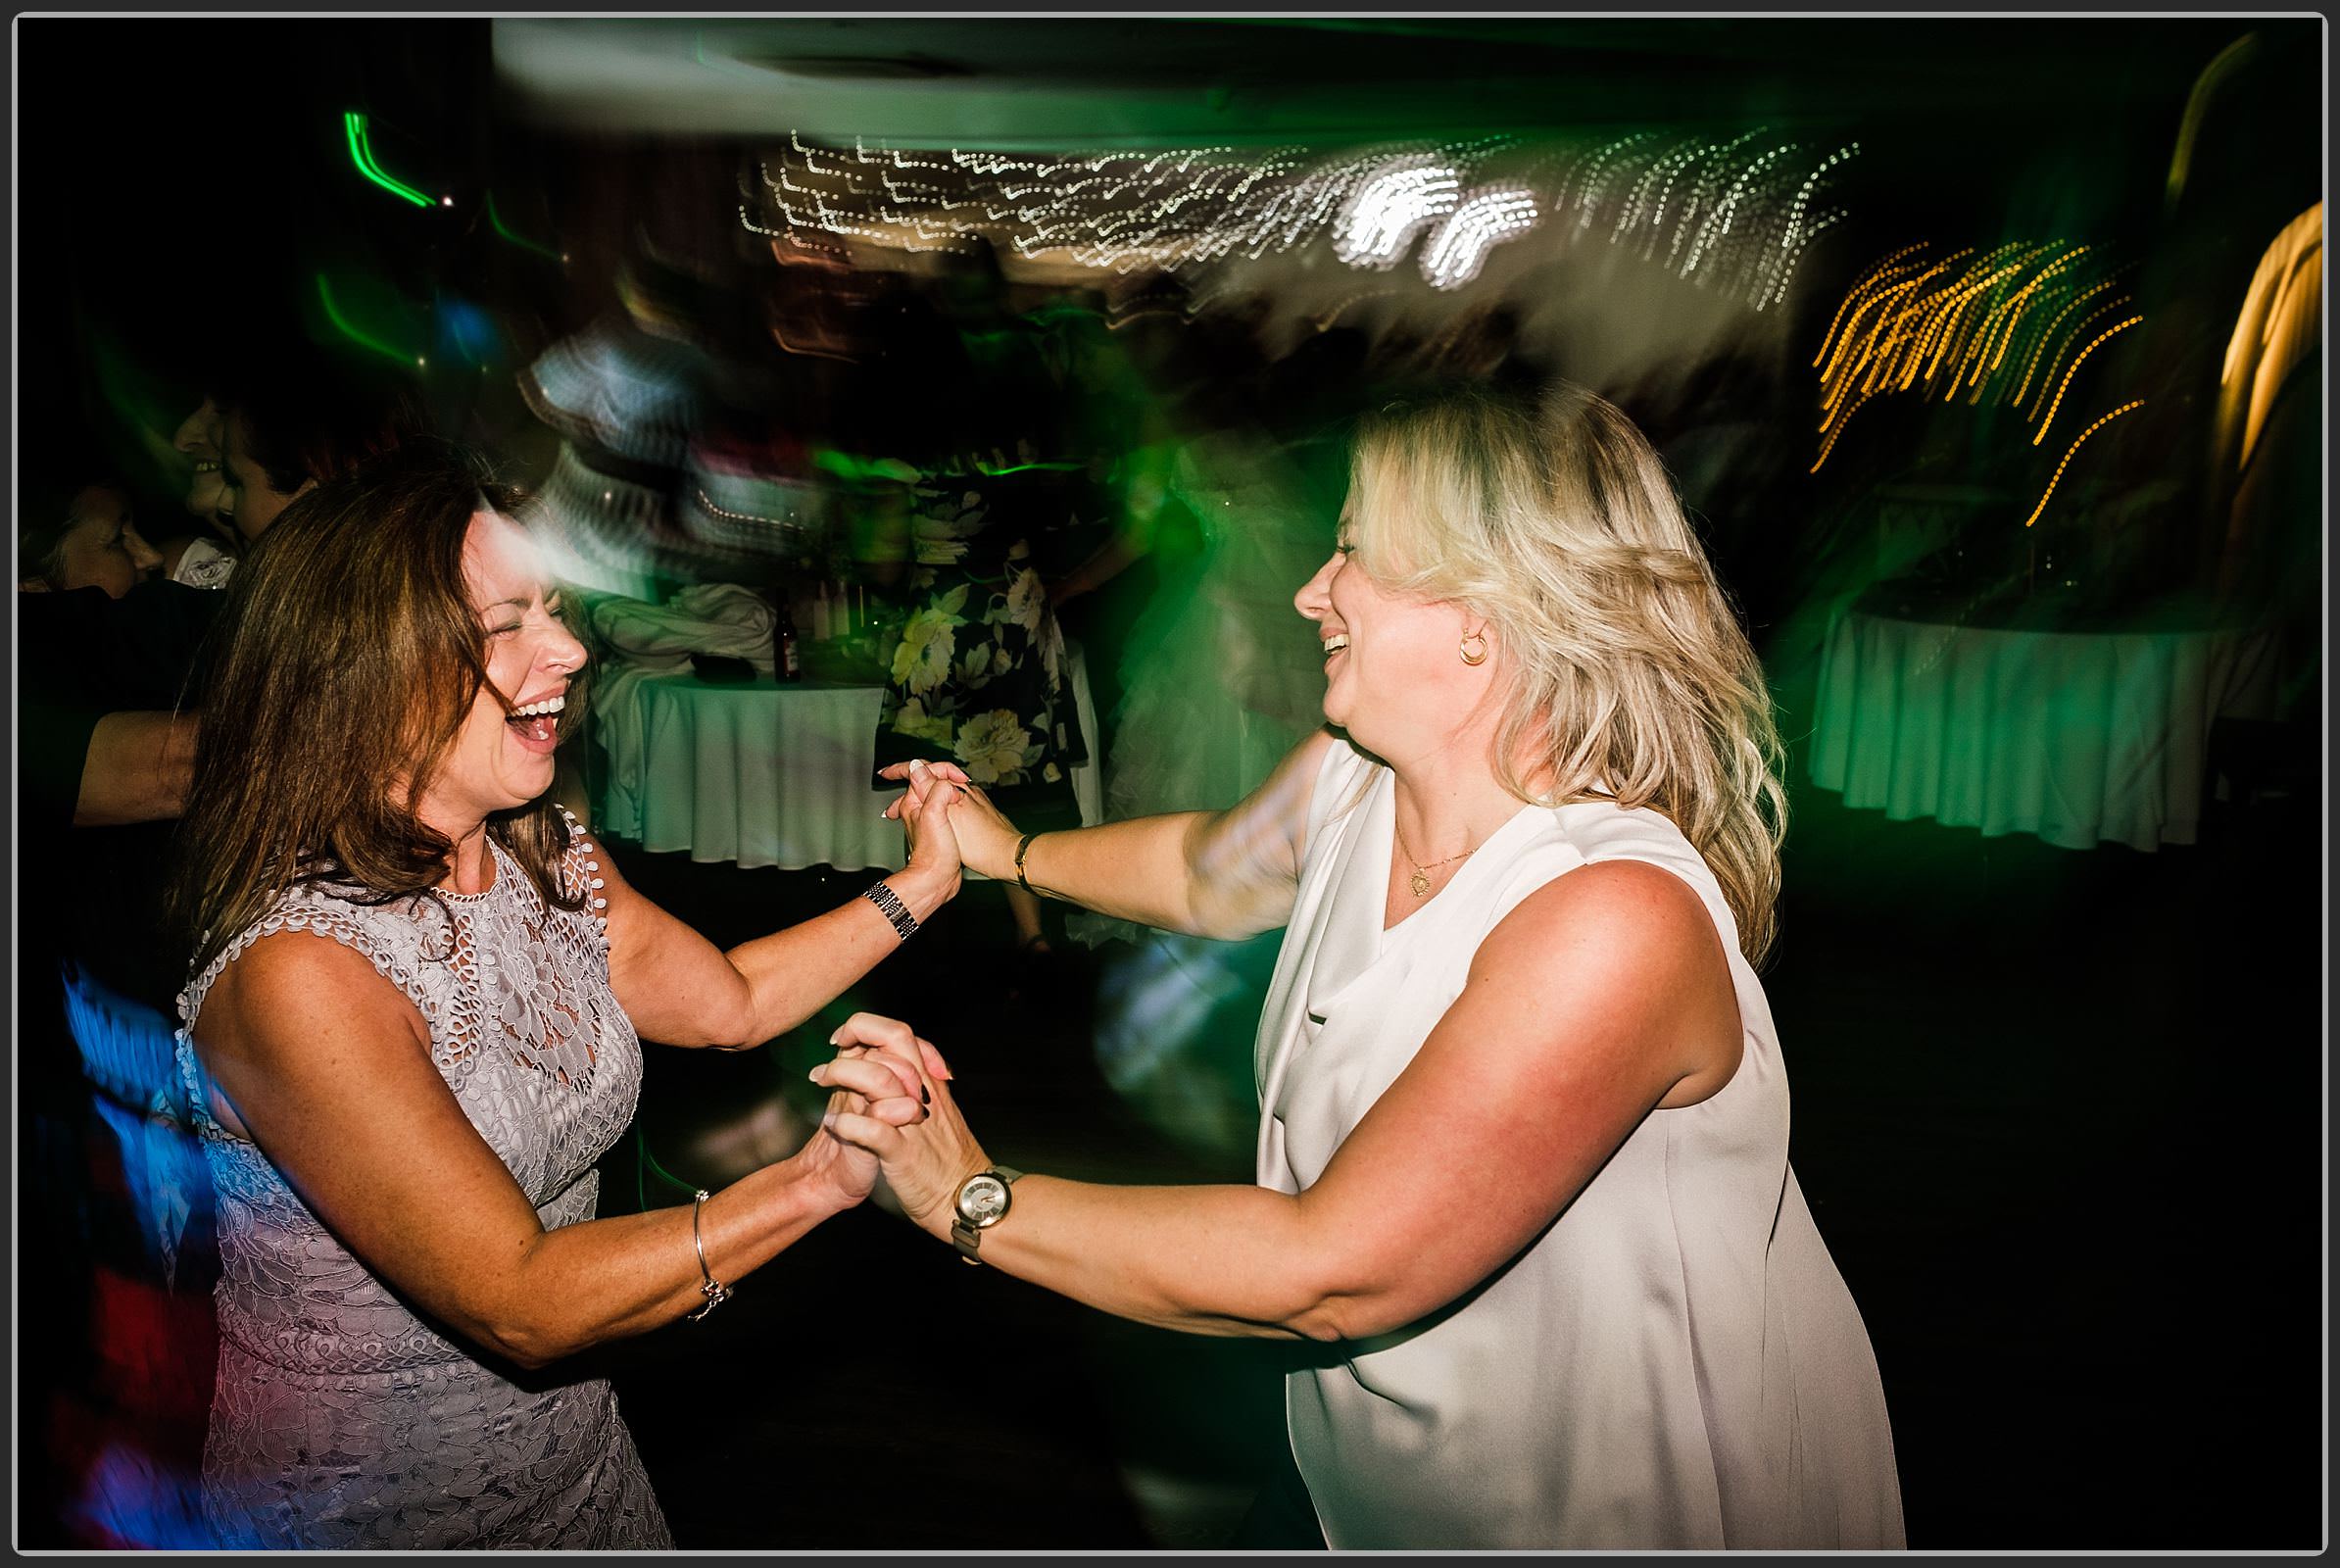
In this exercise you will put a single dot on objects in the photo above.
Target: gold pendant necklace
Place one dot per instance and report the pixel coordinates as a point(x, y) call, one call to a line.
point(1420, 882)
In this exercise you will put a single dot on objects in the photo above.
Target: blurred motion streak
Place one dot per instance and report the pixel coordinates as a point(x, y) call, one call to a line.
point(496, 221)
point(2282, 322)
point(362, 153)
point(341, 324)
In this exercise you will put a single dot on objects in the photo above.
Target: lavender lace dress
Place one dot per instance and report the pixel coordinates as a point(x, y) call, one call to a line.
point(341, 1418)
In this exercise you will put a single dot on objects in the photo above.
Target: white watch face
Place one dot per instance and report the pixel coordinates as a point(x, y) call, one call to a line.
point(983, 1200)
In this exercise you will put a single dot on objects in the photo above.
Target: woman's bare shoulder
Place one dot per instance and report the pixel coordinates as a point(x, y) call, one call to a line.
point(299, 974)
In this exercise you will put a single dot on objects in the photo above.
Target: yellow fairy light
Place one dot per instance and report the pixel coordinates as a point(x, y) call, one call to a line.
point(1963, 324)
point(2110, 331)
point(2074, 447)
point(1829, 444)
point(2012, 307)
point(1876, 275)
point(2040, 347)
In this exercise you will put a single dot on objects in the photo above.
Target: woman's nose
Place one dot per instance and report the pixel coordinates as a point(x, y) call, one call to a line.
point(143, 556)
point(198, 432)
point(1315, 597)
point(563, 652)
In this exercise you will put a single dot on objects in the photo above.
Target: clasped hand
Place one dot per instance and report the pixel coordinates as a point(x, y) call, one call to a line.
point(873, 1088)
point(924, 813)
point(941, 798)
point(924, 1157)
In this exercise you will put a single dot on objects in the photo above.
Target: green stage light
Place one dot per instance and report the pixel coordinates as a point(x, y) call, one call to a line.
point(362, 153)
point(496, 221)
point(324, 294)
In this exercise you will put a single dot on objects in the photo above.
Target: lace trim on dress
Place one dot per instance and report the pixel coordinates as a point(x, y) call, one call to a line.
point(485, 970)
point(581, 870)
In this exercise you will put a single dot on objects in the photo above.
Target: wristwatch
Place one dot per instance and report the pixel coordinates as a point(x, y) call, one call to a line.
point(982, 1202)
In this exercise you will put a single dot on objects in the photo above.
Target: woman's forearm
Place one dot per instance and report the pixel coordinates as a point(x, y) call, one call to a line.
point(1224, 1260)
point(138, 769)
point(1185, 871)
point(607, 1279)
point(1132, 870)
point(792, 974)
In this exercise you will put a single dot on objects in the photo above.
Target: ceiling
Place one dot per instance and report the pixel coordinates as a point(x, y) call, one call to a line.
point(1036, 83)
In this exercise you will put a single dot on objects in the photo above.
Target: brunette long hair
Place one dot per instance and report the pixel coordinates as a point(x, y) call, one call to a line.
point(346, 658)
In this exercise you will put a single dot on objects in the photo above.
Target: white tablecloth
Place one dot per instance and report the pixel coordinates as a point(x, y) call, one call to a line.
point(2078, 737)
point(760, 774)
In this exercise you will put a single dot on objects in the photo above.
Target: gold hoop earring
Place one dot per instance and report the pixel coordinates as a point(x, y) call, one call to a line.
point(1474, 659)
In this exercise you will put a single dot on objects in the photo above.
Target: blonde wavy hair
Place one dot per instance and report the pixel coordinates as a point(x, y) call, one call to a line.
point(1626, 672)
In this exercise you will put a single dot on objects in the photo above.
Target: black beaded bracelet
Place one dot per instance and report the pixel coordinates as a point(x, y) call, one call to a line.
point(890, 905)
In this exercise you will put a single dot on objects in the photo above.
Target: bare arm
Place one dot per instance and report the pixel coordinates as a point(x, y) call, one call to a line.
point(1226, 874)
point(326, 1067)
point(1603, 996)
point(682, 990)
point(138, 769)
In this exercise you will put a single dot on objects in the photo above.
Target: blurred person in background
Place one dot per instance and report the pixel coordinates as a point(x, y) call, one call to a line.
point(106, 717)
point(292, 419)
point(95, 544)
point(200, 438)
point(977, 670)
point(202, 560)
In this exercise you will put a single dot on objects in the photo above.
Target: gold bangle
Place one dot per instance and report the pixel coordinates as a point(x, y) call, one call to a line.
point(1022, 845)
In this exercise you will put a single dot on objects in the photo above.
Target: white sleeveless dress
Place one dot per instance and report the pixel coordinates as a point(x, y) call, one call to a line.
point(341, 1418)
point(1675, 1363)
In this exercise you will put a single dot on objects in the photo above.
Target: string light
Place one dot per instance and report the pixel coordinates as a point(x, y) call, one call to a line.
point(2102, 422)
point(2110, 331)
point(2039, 346)
point(1724, 213)
point(1458, 247)
point(1830, 444)
point(1978, 324)
point(2076, 334)
point(1388, 210)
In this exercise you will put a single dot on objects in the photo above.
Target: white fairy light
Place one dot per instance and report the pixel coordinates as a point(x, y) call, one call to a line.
point(1390, 208)
point(1721, 222)
point(1485, 219)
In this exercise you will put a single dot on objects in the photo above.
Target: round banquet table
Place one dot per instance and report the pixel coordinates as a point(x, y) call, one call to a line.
point(757, 772)
point(2078, 736)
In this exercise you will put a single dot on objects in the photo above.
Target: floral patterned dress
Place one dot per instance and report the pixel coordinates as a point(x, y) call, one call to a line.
point(974, 656)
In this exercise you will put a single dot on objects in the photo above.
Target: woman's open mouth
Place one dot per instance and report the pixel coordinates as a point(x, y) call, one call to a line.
point(537, 725)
